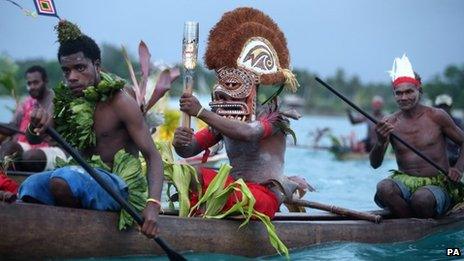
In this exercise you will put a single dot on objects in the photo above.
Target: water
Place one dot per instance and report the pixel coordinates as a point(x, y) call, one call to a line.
point(349, 184)
point(6, 104)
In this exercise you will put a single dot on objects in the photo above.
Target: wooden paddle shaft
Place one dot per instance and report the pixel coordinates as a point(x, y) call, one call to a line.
point(172, 255)
point(337, 210)
point(11, 128)
point(394, 136)
point(188, 88)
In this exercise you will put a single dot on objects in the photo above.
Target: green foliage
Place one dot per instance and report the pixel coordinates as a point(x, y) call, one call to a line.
point(8, 82)
point(67, 31)
point(74, 116)
point(318, 99)
point(451, 83)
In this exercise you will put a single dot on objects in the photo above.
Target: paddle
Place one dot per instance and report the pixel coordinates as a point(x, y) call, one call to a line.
point(13, 129)
point(337, 210)
point(375, 122)
point(172, 255)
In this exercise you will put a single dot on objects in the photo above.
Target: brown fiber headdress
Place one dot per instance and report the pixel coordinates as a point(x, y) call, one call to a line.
point(249, 39)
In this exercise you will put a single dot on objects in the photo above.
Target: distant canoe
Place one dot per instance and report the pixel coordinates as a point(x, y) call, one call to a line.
point(343, 155)
point(31, 231)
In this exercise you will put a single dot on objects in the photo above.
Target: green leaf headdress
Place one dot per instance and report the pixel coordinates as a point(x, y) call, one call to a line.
point(67, 31)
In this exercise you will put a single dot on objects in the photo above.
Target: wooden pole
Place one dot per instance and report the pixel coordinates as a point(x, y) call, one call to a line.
point(341, 96)
point(336, 210)
point(188, 88)
point(172, 255)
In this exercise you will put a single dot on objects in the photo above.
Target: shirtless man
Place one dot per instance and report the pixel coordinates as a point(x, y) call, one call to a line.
point(417, 188)
point(445, 102)
point(367, 143)
point(118, 125)
point(31, 157)
point(253, 135)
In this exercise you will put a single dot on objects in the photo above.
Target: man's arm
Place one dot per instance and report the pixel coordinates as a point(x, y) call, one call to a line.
point(231, 128)
point(234, 129)
point(383, 130)
point(355, 119)
point(451, 130)
point(130, 115)
point(188, 144)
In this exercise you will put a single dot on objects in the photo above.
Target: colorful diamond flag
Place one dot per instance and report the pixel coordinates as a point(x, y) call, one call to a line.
point(45, 7)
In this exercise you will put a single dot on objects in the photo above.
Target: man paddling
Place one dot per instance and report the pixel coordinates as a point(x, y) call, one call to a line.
point(445, 102)
point(24, 155)
point(417, 189)
point(95, 114)
point(368, 142)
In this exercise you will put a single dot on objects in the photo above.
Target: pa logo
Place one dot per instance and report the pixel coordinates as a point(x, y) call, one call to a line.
point(453, 252)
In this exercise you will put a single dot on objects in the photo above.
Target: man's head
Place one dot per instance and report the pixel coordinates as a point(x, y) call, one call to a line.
point(246, 48)
point(234, 94)
point(36, 79)
point(406, 83)
point(444, 101)
point(407, 95)
point(377, 103)
point(79, 57)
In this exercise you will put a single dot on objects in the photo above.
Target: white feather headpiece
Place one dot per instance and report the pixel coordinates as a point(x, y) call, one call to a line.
point(402, 72)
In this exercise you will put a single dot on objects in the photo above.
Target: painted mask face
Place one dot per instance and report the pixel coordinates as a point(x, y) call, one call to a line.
point(234, 96)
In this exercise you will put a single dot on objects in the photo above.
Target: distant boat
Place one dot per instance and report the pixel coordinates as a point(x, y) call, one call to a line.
point(293, 101)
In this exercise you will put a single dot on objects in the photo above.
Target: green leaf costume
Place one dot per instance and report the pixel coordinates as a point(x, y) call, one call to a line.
point(74, 121)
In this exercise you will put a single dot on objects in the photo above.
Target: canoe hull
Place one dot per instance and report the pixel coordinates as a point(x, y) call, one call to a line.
point(32, 231)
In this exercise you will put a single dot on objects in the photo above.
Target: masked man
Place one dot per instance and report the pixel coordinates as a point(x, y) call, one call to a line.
point(246, 49)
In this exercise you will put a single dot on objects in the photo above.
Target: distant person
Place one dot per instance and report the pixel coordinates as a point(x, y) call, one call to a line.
point(417, 189)
point(368, 142)
point(26, 156)
point(445, 102)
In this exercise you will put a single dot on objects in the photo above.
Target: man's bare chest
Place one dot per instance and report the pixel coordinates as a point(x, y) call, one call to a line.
point(106, 124)
point(421, 132)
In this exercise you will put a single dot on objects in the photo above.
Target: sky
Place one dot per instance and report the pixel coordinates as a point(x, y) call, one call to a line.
point(360, 36)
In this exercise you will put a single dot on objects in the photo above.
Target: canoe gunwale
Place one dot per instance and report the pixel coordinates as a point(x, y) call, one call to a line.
point(51, 233)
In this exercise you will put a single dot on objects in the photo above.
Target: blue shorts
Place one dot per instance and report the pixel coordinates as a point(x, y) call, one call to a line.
point(83, 187)
point(442, 198)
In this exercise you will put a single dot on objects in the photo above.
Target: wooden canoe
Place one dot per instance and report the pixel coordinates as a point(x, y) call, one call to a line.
point(32, 231)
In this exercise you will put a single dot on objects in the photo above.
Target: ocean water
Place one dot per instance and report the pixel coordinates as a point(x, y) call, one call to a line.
point(349, 184)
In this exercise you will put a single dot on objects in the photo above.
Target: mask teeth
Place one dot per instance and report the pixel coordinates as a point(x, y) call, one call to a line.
point(244, 118)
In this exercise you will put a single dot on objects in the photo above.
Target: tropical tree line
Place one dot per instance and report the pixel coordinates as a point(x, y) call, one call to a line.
point(317, 99)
